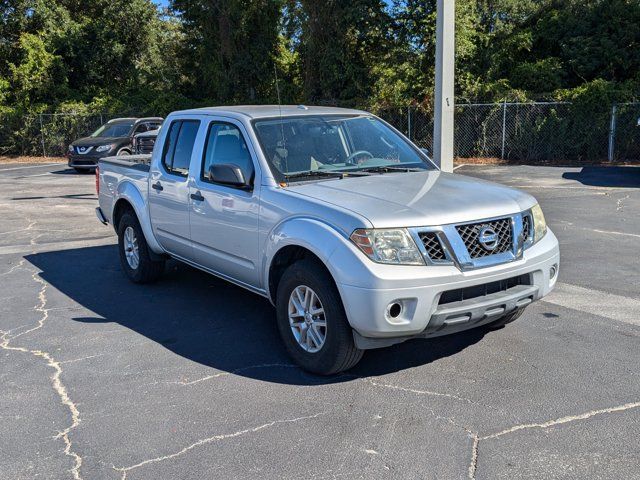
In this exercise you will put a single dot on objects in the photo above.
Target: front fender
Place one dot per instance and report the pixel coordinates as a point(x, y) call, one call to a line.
point(128, 191)
point(316, 236)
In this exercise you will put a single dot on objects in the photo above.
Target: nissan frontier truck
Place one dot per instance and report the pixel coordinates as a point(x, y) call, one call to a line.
point(357, 239)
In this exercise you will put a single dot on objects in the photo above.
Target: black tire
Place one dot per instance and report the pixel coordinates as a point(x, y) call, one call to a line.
point(147, 270)
point(81, 170)
point(338, 353)
point(122, 152)
point(508, 318)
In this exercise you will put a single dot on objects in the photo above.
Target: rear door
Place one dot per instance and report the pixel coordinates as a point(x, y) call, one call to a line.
point(169, 187)
point(224, 219)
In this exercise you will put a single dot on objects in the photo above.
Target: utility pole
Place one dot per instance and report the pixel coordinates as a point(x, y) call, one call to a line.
point(444, 101)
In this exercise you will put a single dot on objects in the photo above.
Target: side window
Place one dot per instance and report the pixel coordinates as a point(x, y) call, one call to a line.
point(179, 146)
point(141, 128)
point(170, 145)
point(225, 144)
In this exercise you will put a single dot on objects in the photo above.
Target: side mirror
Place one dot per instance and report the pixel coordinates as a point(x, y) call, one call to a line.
point(227, 174)
point(638, 124)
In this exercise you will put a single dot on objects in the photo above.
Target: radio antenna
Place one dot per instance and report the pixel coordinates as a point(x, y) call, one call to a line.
point(284, 144)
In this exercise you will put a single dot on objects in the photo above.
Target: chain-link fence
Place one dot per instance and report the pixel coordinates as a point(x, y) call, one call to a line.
point(624, 136)
point(531, 132)
point(519, 132)
point(47, 134)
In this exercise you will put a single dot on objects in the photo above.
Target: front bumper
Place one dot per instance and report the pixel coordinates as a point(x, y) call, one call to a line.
point(418, 290)
point(88, 161)
point(83, 161)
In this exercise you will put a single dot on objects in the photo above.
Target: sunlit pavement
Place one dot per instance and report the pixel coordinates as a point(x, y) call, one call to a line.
point(188, 379)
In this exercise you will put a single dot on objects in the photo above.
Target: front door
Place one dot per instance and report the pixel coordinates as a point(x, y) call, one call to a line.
point(169, 190)
point(224, 219)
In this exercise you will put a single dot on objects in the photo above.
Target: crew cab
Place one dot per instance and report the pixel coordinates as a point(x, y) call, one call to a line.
point(112, 138)
point(349, 229)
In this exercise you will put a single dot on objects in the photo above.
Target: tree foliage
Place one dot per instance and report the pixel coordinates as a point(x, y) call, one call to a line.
point(130, 55)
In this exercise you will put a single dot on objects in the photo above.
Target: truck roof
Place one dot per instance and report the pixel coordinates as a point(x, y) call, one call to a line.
point(265, 111)
point(135, 119)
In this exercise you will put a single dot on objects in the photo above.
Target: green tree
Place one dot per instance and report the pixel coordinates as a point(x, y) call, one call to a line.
point(40, 77)
point(338, 44)
point(229, 48)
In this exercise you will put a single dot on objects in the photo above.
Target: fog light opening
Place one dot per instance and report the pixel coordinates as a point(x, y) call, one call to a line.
point(553, 271)
point(394, 310)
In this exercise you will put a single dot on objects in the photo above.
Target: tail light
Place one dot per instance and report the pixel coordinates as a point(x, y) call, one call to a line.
point(98, 180)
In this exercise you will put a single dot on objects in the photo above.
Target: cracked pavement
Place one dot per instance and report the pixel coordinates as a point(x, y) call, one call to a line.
point(102, 379)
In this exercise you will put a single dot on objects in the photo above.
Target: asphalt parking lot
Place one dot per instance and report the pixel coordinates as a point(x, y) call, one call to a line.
point(187, 378)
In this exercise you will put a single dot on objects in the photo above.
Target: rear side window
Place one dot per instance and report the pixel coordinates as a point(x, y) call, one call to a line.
point(179, 146)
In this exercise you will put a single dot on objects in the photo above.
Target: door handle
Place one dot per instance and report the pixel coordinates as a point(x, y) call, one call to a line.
point(157, 186)
point(197, 196)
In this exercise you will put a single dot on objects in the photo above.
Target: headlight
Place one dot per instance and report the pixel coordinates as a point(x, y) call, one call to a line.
point(104, 148)
point(539, 223)
point(71, 148)
point(394, 246)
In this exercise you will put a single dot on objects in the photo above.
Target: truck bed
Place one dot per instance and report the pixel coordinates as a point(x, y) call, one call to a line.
point(138, 162)
point(120, 173)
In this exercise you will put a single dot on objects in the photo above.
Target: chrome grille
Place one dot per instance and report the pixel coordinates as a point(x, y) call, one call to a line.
point(83, 150)
point(145, 144)
point(432, 245)
point(470, 232)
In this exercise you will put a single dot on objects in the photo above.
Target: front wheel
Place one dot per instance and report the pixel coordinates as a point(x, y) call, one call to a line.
point(312, 321)
point(134, 252)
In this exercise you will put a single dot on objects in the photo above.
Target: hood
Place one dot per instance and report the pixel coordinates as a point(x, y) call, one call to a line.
point(415, 199)
point(97, 141)
point(150, 133)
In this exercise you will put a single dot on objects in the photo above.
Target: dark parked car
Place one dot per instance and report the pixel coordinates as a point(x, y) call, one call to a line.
point(112, 138)
point(143, 142)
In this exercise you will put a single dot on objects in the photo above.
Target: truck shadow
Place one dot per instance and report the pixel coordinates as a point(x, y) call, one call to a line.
point(209, 321)
point(620, 177)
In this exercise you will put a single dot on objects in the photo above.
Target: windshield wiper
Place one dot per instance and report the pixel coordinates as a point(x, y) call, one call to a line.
point(391, 168)
point(314, 173)
point(327, 174)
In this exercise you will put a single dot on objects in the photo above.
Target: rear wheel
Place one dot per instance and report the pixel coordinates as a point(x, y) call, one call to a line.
point(312, 321)
point(134, 252)
point(508, 318)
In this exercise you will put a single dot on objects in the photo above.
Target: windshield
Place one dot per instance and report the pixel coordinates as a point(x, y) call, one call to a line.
point(113, 130)
point(295, 146)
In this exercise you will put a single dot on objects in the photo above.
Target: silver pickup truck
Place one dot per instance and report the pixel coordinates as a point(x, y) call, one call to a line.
point(349, 229)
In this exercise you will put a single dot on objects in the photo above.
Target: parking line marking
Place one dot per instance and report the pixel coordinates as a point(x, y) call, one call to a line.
point(36, 175)
point(459, 166)
point(54, 246)
point(596, 302)
point(569, 187)
point(597, 230)
point(30, 166)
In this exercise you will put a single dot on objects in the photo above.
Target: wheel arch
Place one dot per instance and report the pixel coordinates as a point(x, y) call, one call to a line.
point(283, 259)
point(119, 209)
point(294, 240)
point(130, 198)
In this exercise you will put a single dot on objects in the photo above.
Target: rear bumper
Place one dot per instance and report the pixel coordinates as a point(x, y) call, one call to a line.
point(101, 216)
point(422, 315)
